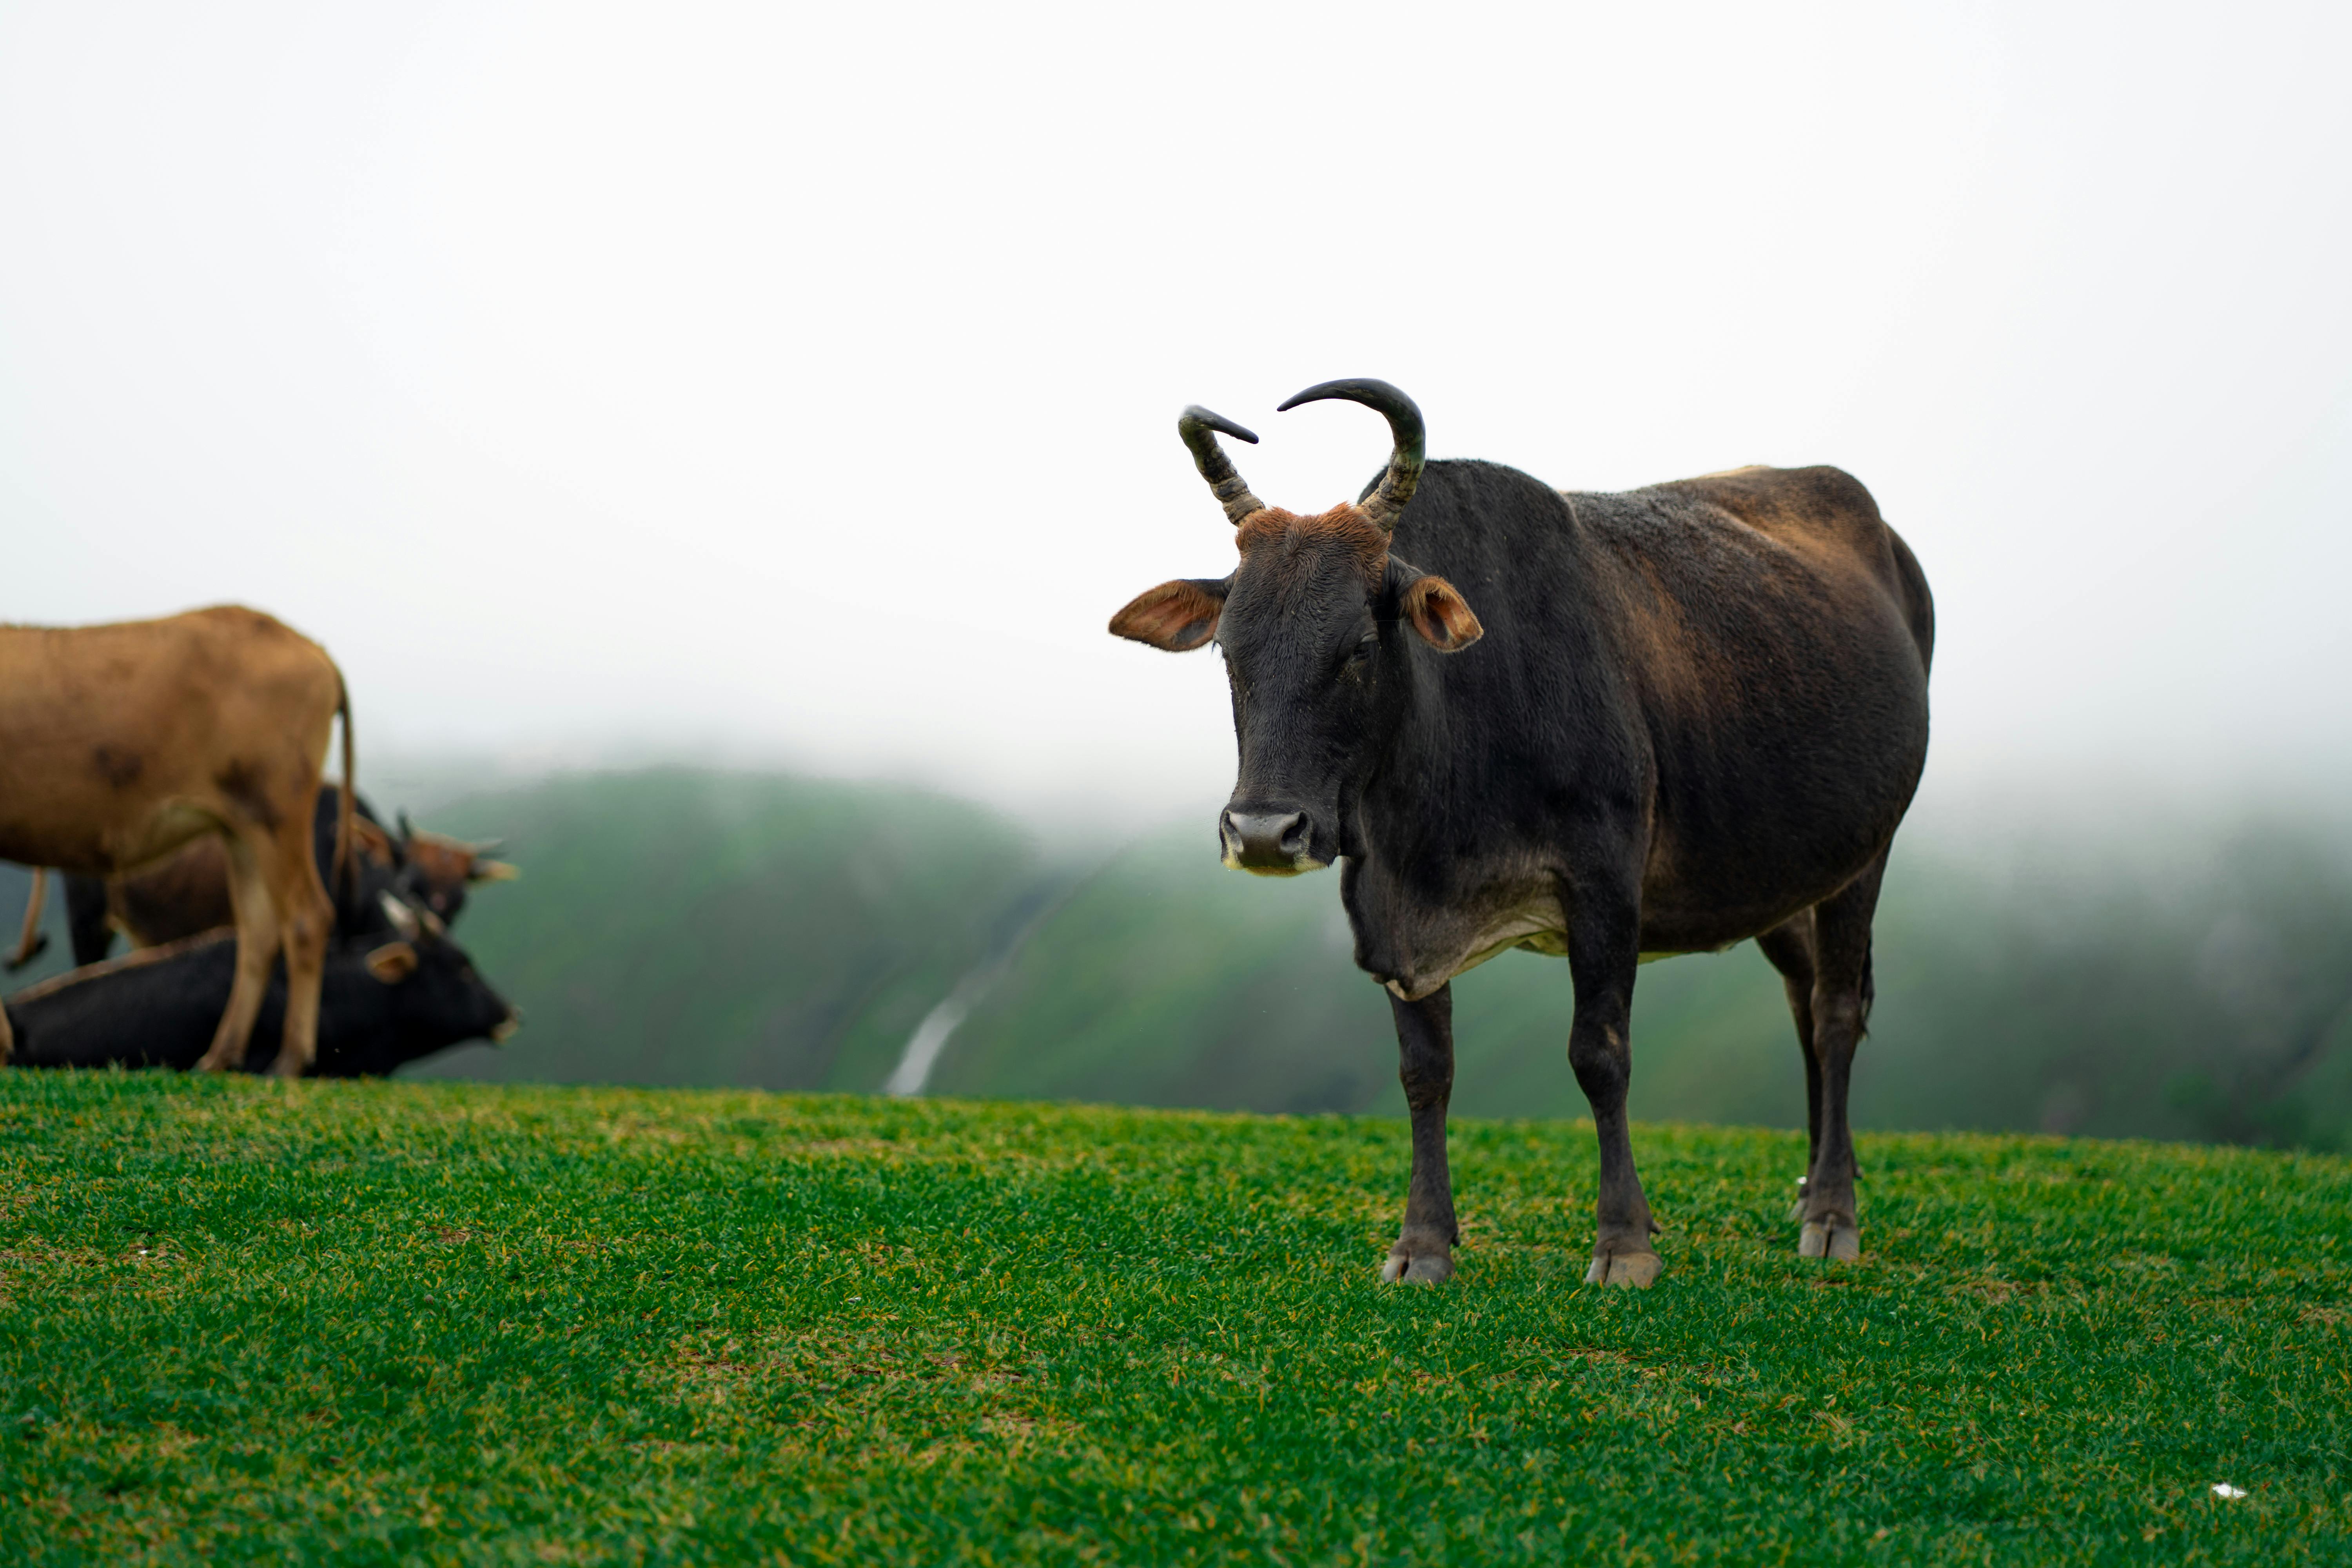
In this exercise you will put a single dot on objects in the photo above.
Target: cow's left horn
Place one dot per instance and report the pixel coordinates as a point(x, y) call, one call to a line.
point(1198, 427)
point(1397, 485)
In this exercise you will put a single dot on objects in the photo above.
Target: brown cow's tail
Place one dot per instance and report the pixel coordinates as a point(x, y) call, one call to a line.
point(346, 862)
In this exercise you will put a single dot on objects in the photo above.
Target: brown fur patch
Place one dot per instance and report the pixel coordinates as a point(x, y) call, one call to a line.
point(445, 864)
point(1344, 526)
point(247, 787)
point(1672, 664)
point(120, 769)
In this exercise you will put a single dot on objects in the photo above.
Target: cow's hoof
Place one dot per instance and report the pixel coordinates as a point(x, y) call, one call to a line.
point(1837, 1240)
point(214, 1061)
point(1635, 1270)
point(1410, 1268)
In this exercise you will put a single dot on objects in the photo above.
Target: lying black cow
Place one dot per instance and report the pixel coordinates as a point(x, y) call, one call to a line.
point(1610, 727)
point(385, 1002)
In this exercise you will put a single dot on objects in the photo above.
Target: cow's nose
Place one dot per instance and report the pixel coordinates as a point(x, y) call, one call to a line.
point(1256, 840)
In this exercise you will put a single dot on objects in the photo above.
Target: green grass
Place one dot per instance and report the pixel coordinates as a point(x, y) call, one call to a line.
point(415, 1321)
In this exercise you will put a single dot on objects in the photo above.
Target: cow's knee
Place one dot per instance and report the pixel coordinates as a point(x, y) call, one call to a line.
point(1837, 1018)
point(1597, 1055)
point(307, 925)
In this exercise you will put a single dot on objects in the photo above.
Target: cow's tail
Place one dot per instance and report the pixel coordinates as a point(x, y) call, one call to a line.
point(346, 862)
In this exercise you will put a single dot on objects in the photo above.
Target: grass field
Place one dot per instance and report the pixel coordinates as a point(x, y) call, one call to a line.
point(402, 1321)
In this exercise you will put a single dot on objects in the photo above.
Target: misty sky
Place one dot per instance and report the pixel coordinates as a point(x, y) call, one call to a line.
point(797, 385)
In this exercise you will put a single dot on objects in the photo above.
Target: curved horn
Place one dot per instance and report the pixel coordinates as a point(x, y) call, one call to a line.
point(1198, 427)
point(1397, 485)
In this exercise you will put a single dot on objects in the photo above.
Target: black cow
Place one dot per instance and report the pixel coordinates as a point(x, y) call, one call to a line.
point(1676, 718)
point(384, 1003)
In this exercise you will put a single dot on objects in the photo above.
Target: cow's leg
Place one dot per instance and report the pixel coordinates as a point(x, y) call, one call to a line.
point(256, 945)
point(88, 918)
point(31, 942)
point(1790, 948)
point(1603, 953)
point(306, 916)
point(1425, 1252)
point(1840, 1008)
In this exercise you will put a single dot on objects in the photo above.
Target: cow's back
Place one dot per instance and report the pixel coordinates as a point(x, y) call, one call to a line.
point(155, 1008)
point(118, 742)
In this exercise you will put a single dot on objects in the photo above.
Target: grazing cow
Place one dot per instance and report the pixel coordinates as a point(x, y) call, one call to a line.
point(382, 1004)
point(1609, 727)
point(189, 892)
point(119, 743)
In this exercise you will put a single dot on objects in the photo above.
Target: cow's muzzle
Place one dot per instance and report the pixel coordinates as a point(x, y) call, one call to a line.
point(1272, 843)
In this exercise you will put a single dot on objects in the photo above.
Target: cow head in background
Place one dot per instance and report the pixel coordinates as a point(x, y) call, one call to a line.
point(1317, 624)
point(421, 995)
point(438, 870)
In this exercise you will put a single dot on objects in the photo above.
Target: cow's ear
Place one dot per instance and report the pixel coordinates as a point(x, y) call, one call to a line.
point(1439, 614)
point(492, 871)
point(393, 963)
point(1175, 617)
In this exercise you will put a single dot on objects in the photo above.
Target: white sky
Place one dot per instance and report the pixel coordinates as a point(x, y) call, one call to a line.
point(798, 384)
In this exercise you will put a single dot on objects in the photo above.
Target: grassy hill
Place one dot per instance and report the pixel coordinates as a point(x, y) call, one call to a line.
point(2180, 981)
point(242, 1322)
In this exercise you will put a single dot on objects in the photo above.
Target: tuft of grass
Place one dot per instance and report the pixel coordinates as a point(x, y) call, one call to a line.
point(244, 1321)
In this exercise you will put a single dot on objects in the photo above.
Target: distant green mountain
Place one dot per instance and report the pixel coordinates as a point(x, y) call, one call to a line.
point(2185, 990)
point(686, 928)
point(674, 927)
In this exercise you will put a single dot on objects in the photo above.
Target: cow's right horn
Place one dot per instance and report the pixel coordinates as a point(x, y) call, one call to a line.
point(1198, 429)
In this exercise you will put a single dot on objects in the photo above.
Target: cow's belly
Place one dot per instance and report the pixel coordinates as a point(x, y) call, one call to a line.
point(1701, 892)
point(1706, 884)
point(1432, 956)
point(98, 848)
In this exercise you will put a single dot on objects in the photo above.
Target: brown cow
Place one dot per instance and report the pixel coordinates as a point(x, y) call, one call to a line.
point(121, 743)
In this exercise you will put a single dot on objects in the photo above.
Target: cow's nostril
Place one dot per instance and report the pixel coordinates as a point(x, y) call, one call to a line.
point(1264, 841)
